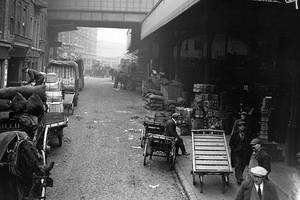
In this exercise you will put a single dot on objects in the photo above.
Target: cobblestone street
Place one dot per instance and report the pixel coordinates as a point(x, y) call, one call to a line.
point(101, 156)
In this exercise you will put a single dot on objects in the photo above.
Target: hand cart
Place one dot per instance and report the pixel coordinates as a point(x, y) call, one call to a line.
point(69, 102)
point(151, 127)
point(160, 143)
point(210, 155)
point(56, 121)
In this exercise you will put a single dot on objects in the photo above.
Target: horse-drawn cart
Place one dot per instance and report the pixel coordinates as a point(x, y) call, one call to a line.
point(15, 146)
point(210, 155)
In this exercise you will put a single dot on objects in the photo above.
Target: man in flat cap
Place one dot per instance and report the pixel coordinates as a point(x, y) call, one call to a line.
point(240, 151)
point(171, 132)
point(259, 156)
point(257, 188)
point(34, 76)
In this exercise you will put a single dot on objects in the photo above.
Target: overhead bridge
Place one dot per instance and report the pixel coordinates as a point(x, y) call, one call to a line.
point(99, 13)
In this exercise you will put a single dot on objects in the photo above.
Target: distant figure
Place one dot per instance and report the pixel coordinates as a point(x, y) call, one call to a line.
point(257, 188)
point(198, 115)
point(34, 76)
point(240, 151)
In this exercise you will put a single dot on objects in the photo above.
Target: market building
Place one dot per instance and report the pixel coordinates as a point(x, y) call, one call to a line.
point(23, 38)
point(81, 43)
point(248, 50)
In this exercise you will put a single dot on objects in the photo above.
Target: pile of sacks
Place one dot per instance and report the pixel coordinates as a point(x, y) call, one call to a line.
point(157, 117)
point(25, 103)
point(154, 102)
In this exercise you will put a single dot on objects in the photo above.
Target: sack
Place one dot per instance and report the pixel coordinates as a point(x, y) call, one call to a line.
point(26, 91)
point(35, 105)
point(27, 121)
point(18, 103)
point(5, 104)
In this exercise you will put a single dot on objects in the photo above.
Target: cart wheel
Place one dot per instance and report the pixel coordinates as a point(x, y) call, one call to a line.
point(60, 137)
point(72, 108)
point(75, 101)
point(201, 183)
point(173, 154)
point(194, 178)
point(145, 151)
point(142, 137)
point(227, 179)
point(223, 183)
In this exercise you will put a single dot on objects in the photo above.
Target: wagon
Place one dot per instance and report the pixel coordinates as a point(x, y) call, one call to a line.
point(39, 140)
point(210, 156)
point(68, 74)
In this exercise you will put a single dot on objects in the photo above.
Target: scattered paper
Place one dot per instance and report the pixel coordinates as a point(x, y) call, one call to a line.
point(136, 147)
point(95, 122)
point(154, 186)
point(123, 111)
point(85, 112)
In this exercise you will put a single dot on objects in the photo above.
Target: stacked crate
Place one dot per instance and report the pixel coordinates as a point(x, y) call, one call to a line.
point(54, 94)
point(205, 93)
point(266, 110)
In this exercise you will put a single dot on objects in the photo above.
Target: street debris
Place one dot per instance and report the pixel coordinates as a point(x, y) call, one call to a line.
point(123, 111)
point(67, 140)
point(154, 186)
point(136, 147)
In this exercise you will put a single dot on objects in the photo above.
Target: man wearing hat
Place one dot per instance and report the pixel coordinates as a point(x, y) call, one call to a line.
point(259, 156)
point(171, 132)
point(257, 188)
point(34, 76)
point(198, 115)
point(240, 151)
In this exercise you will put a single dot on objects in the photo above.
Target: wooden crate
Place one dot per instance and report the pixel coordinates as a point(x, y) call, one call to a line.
point(171, 92)
point(54, 96)
point(55, 106)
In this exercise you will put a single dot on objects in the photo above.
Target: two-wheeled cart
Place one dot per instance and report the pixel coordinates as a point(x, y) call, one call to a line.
point(210, 156)
point(69, 98)
point(155, 143)
point(55, 122)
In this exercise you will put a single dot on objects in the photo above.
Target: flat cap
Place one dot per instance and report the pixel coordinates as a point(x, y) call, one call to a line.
point(256, 141)
point(259, 171)
point(175, 115)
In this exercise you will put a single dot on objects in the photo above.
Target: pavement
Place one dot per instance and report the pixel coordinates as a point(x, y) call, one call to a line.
point(285, 178)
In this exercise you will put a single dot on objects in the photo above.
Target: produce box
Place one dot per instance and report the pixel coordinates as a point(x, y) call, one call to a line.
point(54, 96)
point(55, 106)
point(171, 92)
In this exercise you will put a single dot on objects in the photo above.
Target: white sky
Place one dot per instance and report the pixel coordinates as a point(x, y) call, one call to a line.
point(112, 42)
point(112, 35)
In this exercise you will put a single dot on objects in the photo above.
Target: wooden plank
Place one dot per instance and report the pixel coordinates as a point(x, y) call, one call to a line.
point(212, 168)
point(211, 157)
point(212, 162)
point(208, 140)
point(208, 136)
point(209, 143)
point(210, 148)
point(199, 153)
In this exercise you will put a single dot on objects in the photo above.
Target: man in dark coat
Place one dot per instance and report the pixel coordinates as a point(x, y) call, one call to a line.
point(257, 188)
point(240, 151)
point(259, 156)
point(171, 132)
point(34, 76)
